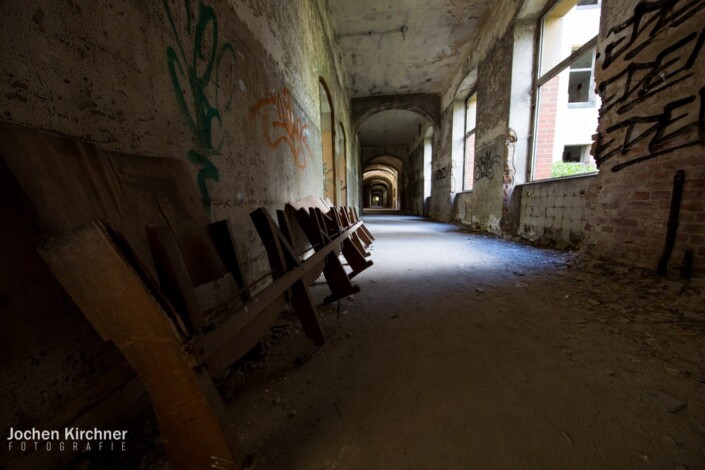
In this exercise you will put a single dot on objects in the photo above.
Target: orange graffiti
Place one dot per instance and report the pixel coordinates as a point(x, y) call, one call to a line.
point(295, 130)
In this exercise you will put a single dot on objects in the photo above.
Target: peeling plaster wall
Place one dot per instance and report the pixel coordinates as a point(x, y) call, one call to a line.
point(413, 197)
point(650, 56)
point(484, 209)
point(116, 74)
point(492, 169)
point(492, 26)
point(441, 170)
point(490, 54)
point(649, 74)
point(415, 177)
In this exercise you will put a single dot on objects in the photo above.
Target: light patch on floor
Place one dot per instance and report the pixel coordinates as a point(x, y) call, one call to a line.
point(466, 351)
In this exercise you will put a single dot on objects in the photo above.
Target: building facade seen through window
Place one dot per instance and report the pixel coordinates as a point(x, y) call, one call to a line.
point(567, 105)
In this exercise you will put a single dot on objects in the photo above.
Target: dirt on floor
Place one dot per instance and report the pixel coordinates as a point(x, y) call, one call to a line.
point(465, 351)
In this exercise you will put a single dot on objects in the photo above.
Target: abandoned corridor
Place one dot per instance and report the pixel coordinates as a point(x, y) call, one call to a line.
point(468, 351)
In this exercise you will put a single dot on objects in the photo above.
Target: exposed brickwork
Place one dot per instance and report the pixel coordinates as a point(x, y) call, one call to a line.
point(631, 224)
point(546, 129)
point(646, 134)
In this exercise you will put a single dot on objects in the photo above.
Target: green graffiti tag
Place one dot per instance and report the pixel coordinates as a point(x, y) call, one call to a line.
point(200, 100)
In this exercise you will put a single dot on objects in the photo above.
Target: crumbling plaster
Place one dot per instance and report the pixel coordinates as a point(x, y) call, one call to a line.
point(650, 58)
point(100, 71)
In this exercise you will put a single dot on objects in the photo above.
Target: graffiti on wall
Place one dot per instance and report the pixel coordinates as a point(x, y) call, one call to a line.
point(441, 173)
point(282, 126)
point(202, 76)
point(487, 158)
point(638, 72)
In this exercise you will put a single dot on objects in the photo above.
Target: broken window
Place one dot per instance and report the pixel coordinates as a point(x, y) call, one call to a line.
point(567, 106)
point(580, 83)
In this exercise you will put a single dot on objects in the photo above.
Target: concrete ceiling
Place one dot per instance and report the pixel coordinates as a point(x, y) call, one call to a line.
point(418, 61)
point(393, 127)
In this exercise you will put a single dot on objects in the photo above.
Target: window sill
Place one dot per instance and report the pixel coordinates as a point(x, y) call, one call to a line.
point(561, 178)
point(582, 105)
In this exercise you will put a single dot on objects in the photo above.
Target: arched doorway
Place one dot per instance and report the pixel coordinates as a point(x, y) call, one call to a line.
point(327, 143)
point(380, 183)
point(341, 159)
point(395, 138)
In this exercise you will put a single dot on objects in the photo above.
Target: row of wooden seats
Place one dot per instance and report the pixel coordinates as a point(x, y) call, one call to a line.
point(179, 336)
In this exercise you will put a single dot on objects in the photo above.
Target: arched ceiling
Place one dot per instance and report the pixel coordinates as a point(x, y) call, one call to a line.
point(380, 167)
point(392, 127)
point(379, 182)
point(380, 174)
point(388, 160)
point(418, 60)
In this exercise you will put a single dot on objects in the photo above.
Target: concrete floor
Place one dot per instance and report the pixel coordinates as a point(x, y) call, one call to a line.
point(465, 351)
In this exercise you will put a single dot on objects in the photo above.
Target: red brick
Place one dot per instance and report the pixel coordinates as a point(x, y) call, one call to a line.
point(692, 228)
point(621, 222)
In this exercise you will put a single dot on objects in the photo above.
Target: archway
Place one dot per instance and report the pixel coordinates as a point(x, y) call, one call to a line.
point(427, 105)
point(327, 143)
point(341, 159)
point(380, 183)
point(394, 137)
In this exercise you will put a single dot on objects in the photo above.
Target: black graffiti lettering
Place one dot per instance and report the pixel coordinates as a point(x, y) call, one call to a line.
point(601, 147)
point(662, 133)
point(681, 123)
point(660, 123)
point(657, 77)
point(649, 16)
point(441, 173)
point(484, 167)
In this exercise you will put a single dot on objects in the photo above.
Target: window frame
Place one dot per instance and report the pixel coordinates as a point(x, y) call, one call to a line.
point(466, 135)
point(539, 80)
point(590, 102)
point(585, 7)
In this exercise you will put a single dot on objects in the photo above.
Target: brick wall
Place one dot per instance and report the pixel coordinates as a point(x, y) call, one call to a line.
point(647, 132)
point(553, 212)
point(546, 128)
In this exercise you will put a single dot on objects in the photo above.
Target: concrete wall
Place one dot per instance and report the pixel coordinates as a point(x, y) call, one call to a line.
point(413, 201)
point(491, 149)
point(483, 208)
point(490, 58)
point(442, 170)
point(122, 75)
point(652, 124)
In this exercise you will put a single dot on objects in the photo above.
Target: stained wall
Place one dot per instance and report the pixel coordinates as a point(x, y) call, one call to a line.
point(229, 88)
point(652, 125)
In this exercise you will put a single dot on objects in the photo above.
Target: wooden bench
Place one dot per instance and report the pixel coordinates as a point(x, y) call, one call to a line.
point(179, 336)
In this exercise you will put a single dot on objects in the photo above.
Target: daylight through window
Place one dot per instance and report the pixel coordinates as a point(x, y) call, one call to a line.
point(567, 106)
